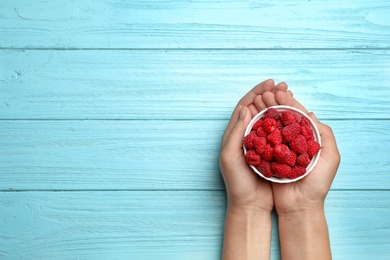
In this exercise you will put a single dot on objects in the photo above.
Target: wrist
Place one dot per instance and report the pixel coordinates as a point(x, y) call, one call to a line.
point(297, 204)
point(247, 233)
point(252, 207)
point(303, 221)
point(250, 213)
point(305, 211)
point(304, 234)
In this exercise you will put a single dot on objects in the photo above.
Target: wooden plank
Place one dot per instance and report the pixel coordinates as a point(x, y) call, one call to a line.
point(195, 24)
point(167, 225)
point(158, 155)
point(187, 84)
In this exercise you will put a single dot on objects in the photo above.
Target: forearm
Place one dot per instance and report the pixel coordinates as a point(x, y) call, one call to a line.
point(304, 235)
point(247, 234)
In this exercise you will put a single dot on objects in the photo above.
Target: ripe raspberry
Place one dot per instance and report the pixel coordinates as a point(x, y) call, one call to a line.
point(269, 125)
point(252, 157)
point(304, 121)
point(281, 153)
point(259, 144)
point(248, 140)
point(268, 153)
point(290, 132)
point(265, 168)
point(297, 171)
point(271, 113)
point(303, 160)
point(307, 132)
point(279, 124)
point(281, 170)
point(281, 144)
point(257, 124)
point(291, 158)
point(312, 148)
point(261, 133)
point(275, 138)
point(289, 117)
point(299, 144)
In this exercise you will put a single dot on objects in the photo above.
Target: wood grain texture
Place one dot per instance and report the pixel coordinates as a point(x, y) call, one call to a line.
point(187, 84)
point(111, 115)
point(195, 24)
point(167, 225)
point(158, 155)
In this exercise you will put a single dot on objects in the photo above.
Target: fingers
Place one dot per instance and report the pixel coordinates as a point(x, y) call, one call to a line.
point(252, 108)
point(259, 89)
point(266, 87)
point(270, 98)
point(259, 103)
point(282, 86)
point(286, 98)
point(267, 99)
point(329, 148)
point(247, 100)
point(234, 137)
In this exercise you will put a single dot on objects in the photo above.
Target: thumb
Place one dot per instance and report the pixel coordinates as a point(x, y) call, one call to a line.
point(236, 135)
point(329, 145)
point(326, 132)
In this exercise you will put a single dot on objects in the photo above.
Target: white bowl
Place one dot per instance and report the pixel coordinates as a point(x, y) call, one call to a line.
point(316, 135)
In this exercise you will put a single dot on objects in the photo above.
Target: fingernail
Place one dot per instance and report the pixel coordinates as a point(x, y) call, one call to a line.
point(242, 112)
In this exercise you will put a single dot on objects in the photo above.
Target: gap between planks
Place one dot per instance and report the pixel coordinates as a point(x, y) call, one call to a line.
point(197, 49)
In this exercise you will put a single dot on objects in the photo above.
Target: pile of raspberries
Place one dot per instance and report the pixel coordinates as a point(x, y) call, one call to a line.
point(281, 144)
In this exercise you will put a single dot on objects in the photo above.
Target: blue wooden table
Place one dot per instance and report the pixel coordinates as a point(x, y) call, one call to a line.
point(112, 111)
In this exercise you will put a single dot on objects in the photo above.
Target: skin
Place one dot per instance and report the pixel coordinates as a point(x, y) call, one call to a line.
point(300, 205)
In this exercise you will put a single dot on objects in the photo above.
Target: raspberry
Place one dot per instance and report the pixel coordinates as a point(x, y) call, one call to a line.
point(265, 168)
point(297, 171)
point(279, 124)
point(268, 153)
point(258, 124)
point(303, 160)
point(259, 144)
point(289, 117)
point(304, 122)
point(281, 153)
point(312, 148)
point(252, 157)
point(281, 170)
point(269, 125)
point(299, 144)
point(291, 131)
point(271, 113)
point(291, 158)
point(307, 132)
point(281, 144)
point(261, 133)
point(248, 140)
point(275, 137)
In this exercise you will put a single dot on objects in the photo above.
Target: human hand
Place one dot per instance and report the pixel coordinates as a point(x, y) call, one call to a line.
point(302, 224)
point(308, 193)
point(250, 202)
point(246, 189)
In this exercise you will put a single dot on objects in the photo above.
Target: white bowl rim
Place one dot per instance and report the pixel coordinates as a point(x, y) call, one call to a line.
point(317, 138)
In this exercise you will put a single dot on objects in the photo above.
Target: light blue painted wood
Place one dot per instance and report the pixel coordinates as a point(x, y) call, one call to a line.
point(76, 179)
point(187, 84)
point(166, 225)
point(195, 24)
point(159, 155)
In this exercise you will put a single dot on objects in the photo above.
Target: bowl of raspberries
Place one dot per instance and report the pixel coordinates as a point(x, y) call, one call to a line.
point(282, 144)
